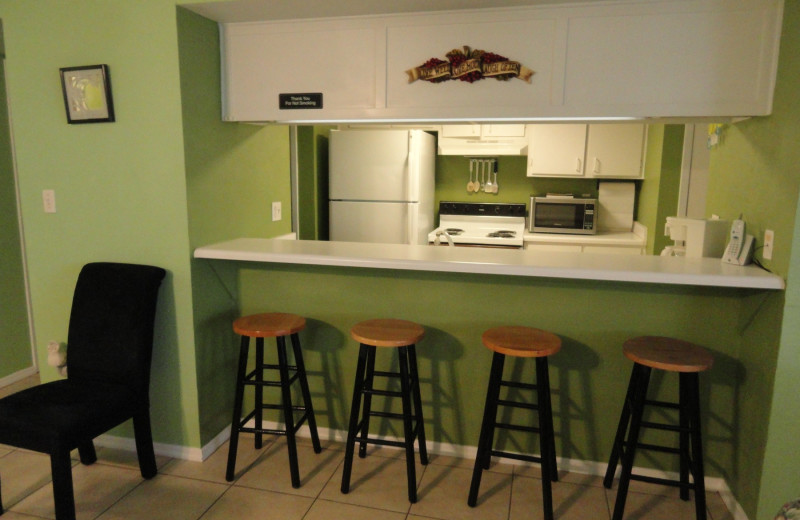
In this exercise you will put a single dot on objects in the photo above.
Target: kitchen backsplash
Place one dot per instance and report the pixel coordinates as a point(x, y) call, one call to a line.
point(452, 176)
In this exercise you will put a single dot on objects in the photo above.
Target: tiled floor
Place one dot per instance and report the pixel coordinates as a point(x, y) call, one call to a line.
point(112, 489)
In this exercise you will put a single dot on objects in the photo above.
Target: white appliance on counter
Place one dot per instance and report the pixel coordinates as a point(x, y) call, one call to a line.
point(696, 237)
point(480, 224)
point(381, 186)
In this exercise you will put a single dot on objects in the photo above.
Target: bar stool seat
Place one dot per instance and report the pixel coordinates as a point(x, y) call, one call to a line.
point(276, 325)
point(387, 333)
point(670, 355)
point(524, 342)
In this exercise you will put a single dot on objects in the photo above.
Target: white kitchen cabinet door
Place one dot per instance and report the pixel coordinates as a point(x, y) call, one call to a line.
point(556, 150)
point(615, 151)
point(503, 130)
point(461, 130)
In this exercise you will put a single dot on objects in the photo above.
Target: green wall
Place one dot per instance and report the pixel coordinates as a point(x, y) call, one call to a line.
point(15, 354)
point(753, 172)
point(120, 187)
point(233, 174)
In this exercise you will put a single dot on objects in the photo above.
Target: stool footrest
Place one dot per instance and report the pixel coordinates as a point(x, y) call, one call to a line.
point(272, 431)
point(517, 427)
point(388, 415)
point(518, 384)
point(516, 456)
point(251, 381)
point(655, 447)
point(662, 404)
point(666, 427)
point(388, 393)
point(296, 408)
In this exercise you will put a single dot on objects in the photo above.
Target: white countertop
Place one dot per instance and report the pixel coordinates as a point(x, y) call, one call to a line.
point(582, 266)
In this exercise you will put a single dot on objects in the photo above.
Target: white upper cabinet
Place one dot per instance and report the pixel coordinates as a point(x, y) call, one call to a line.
point(615, 151)
point(661, 58)
point(556, 150)
point(611, 151)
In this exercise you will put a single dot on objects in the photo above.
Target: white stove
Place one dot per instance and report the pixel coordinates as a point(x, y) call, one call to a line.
point(480, 224)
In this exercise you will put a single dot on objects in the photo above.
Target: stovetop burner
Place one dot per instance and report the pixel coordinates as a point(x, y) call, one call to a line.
point(454, 232)
point(502, 233)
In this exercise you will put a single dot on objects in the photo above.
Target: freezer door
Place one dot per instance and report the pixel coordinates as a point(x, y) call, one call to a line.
point(371, 165)
point(378, 222)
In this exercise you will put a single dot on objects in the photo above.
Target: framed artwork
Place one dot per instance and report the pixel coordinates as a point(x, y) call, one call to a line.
point(87, 94)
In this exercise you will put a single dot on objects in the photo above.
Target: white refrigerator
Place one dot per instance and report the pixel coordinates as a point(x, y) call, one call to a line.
point(381, 185)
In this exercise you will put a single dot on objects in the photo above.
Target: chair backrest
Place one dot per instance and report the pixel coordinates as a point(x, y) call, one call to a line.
point(111, 324)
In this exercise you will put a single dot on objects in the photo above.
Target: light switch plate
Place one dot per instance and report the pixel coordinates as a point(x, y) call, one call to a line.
point(49, 201)
point(276, 211)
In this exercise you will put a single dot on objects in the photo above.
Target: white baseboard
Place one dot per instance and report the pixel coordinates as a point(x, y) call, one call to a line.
point(583, 467)
point(18, 376)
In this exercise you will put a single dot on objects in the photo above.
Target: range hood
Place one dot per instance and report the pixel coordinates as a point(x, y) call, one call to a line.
point(477, 146)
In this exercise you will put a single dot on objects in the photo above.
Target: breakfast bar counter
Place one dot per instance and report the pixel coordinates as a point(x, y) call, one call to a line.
point(707, 272)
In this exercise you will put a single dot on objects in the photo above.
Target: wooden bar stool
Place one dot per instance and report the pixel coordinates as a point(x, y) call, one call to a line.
point(402, 335)
point(271, 325)
point(519, 342)
point(671, 355)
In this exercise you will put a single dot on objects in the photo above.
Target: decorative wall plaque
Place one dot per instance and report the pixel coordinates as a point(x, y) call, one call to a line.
point(469, 65)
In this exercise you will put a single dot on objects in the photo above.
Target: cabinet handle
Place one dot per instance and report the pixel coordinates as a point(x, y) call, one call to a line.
point(596, 165)
point(578, 165)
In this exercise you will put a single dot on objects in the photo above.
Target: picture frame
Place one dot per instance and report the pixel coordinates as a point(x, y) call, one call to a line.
point(87, 94)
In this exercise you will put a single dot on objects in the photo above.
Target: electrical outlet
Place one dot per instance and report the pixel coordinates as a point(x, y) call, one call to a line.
point(49, 201)
point(769, 238)
point(276, 211)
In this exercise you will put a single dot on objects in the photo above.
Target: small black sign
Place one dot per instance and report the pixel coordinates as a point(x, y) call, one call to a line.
point(300, 101)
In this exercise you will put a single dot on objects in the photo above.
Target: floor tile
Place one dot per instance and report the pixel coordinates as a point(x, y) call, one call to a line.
point(716, 507)
point(11, 515)
point(271, 470)
point(256, 504)
point(497, 465)
point(535, 471)
point(123, 458)
point(378, 482)
point(327, 510)
point(165, 497)
point(214, 467)
point(444, 490)
point(96, 488)
point(569, 500)
point(641, 506)
point(23, 473)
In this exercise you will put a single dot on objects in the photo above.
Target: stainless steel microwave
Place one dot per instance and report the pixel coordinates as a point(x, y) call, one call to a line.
point(563, 215)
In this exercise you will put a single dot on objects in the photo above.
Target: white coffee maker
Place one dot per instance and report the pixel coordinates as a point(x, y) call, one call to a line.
point(696, 237)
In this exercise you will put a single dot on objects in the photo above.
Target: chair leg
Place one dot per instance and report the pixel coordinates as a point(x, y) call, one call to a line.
point(420, 422)
point(1, 497)
point(640, 394)
point(288, 414)
point(87, 454)
point(693, 393)
point(143, 435)
point(489, 415)
point(237, 408)
point(368, 387)
point(622, 428)
point(61, 467)
point(352, 429)
point(301, 369)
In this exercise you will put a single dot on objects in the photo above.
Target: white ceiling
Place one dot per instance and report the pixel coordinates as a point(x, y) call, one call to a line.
point(258, 10)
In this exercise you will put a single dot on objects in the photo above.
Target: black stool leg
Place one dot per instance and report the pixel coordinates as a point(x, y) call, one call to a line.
point(420, 422)
point(301, 370)
point(259, 392)
point(546, 442)
point(622, 429)
point(352, 429)
point(405, 390)
point(685, 425)
point(237, 408)
point(483, 456)
point(642, 382)
point(288, 414)
point(692, 382)
point(367, 390)
point(543, 387)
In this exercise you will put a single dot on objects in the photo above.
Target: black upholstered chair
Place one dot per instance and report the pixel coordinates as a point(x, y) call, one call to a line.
point(110, 344)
